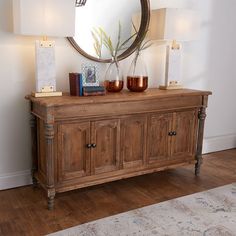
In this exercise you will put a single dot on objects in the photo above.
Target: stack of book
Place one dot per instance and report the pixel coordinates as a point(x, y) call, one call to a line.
point(77, 88)
point(94, 90)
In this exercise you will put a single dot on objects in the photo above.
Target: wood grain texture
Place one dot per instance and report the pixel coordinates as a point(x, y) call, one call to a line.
point(105, 157)
point(23, 210)
point(123, 96)
point(87, 141)
point(133, 145)
point(41, 147)
point(201, 117)
point(50, 160)
point(185, 126)
point(33, 126)
point(159, 141)
point(73, 154)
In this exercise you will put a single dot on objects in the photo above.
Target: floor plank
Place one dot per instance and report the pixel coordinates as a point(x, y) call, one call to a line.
point(23, 210)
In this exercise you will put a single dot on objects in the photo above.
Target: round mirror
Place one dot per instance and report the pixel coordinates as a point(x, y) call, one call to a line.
point(112, 19)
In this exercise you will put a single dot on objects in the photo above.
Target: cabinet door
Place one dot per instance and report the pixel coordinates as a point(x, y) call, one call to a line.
point(158, 140)
point(133, 141)
point(105, 157)
point(185, 125)
point(73, 154)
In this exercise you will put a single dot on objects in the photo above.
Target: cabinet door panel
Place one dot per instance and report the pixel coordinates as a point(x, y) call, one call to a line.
point(73, 155)
point(158, 145)
point(185, 125)
point(133, 141)
point(105, 156)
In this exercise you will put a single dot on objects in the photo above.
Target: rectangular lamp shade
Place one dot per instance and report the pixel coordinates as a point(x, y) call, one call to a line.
point(44, 17)
point(173, 24)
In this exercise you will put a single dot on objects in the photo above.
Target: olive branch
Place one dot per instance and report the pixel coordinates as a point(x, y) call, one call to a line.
point(142, 45)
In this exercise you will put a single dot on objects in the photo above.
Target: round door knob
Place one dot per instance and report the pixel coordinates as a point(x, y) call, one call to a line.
point(174, 133)
point(170, 133)
point(94, 145)
point(89, 145)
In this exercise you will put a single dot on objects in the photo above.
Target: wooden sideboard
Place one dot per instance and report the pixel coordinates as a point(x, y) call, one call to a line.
point(83, 141)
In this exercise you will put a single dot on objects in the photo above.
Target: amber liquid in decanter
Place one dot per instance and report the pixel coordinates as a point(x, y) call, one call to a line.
point(114, 86)
point(137, 83)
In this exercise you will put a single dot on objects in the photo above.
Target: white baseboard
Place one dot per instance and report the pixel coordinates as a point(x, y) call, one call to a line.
point(219, 143)
point(16, 179)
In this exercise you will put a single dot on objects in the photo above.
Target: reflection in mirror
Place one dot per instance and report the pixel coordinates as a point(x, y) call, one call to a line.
point(106, 14)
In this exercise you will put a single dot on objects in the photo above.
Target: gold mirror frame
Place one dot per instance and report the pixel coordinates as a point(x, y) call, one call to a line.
point(145, 18)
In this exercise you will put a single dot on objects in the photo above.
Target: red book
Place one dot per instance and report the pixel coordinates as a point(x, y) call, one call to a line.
point(75, 84)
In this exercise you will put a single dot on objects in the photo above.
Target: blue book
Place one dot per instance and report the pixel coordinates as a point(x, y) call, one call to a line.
point(80, 85)
point(94, 88)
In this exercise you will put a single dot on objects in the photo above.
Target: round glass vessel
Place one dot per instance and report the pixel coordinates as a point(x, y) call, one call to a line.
point(114, 80)
point(137, 79)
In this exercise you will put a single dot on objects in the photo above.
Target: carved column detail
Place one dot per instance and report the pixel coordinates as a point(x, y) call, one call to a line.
point(49, 136)
point(33, 127)
point(201, 117)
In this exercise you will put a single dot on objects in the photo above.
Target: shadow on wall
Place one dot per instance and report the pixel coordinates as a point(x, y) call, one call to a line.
point(209, 63)
point(191, 52)
point(173, 3)
point(6, 27)
point(195, 53)
point(16, 73)
point(221, 70)
point(6, 18)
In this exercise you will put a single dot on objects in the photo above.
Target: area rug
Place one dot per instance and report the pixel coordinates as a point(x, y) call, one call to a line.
point(209, 213)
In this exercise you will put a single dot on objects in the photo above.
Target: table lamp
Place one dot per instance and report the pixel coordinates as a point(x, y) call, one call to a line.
point(173, 25)
point(44, 18)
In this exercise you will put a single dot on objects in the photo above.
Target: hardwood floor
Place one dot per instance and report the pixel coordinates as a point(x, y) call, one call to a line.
point(23, 210)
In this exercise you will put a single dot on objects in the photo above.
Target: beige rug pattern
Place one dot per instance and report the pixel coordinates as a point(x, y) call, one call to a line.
point(209, 213)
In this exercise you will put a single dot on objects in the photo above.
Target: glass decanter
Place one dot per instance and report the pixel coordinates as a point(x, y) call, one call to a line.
point(114, 80)
point(137, 79)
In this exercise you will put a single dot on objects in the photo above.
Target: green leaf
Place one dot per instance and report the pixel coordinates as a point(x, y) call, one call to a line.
point(146, 45)
point(118, 40)
point(101, 38)
point(142, 45)
point(98, 39)
point(134, 27)
point(127, 40)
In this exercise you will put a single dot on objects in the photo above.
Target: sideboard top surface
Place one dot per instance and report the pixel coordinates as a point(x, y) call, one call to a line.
point(123, 96)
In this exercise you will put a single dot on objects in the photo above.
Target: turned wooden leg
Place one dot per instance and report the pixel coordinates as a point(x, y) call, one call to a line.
point(198, 165)
point(34, 181)
point(51, 196)
point(201, 117)
point(33, 125)
point(49, 135)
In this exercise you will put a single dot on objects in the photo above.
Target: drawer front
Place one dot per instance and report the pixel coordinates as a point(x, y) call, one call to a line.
point(125, 108)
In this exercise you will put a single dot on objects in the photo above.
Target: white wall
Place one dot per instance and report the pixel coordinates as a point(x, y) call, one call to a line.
point(207, 64)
